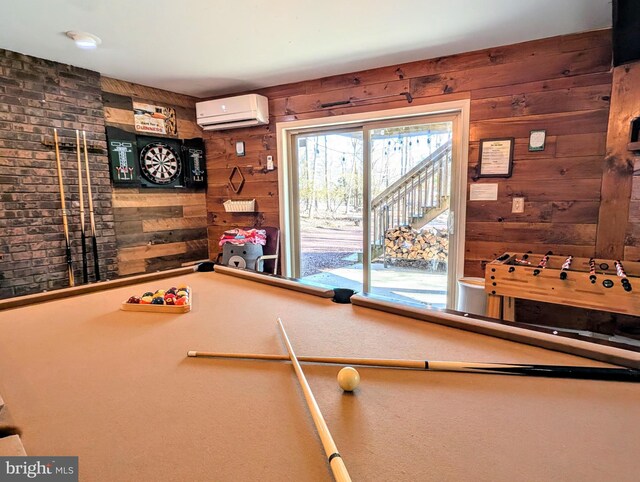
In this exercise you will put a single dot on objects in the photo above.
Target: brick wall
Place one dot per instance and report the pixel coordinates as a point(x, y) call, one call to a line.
point(35, 96)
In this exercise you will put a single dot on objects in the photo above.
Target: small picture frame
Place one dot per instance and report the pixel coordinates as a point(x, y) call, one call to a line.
point(496, 157)
point(537, 139)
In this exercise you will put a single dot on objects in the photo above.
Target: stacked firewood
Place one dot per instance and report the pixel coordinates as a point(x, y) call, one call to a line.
point(404, 242)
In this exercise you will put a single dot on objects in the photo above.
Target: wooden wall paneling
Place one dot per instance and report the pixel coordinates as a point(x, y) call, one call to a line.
point(466, 61)
point(534, 233)
point(169, 224)
point(598, 78)
point(139, 238)
point(374, 105)
point(484, 250)
point(548, 102)
point(552, 168)
point(565, 123)
point(617, 179)
point(198, 210)
point(532, 69)
point(581, 212)
point(535, 212)
point(129, 89)
point(124, 198)
point(561, 84)
point(155, 229)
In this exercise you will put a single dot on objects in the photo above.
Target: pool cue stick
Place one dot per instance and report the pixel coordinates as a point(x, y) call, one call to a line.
point(543, 264)
point(83, 236)
point(549, 371)
point(65, 223)
point(94, 240)
point(565, 267)
point(333, 456)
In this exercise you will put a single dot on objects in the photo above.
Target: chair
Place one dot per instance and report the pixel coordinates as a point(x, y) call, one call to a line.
point(271, 251)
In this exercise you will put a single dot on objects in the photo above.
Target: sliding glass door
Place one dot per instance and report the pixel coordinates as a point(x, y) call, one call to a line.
point(410, 188)
point(329, 207)
point(371, 207)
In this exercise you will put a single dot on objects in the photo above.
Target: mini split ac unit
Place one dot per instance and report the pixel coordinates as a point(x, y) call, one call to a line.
point(233, 112)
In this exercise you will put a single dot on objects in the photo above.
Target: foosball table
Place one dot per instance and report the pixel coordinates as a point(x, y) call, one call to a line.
point(597, 284)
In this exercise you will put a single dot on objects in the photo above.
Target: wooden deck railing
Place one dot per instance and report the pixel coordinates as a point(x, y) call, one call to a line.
point(416, 198)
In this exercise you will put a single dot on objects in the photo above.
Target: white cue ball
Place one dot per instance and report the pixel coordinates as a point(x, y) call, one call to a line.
point(348, 379)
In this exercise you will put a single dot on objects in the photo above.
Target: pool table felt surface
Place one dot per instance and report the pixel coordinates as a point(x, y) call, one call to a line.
point(81, 377)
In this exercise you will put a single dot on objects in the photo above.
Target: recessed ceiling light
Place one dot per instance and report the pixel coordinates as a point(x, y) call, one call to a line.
point(84, 40)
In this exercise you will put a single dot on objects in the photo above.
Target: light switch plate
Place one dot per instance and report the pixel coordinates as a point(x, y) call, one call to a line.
point(240, 148)
point(518, 205)
point(270, 163)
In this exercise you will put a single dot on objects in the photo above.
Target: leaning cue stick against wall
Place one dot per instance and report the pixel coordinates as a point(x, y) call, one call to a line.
point(65, 223)
point(85, 274)
point(94, 240)
point(333, 456)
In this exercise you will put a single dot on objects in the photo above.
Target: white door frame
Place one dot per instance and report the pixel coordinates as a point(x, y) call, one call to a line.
point(460, 155)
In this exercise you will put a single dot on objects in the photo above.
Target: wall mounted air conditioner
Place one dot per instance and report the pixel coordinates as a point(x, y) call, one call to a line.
point(232, 112)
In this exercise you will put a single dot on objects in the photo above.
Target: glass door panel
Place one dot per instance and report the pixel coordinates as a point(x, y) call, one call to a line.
point(410, 188)
point(329, 207)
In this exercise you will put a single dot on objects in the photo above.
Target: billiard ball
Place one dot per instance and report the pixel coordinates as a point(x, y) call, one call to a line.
point(158, 300)
point(181, 293)
point(146, 300)
point(134, 300)
point(147, 293)
point(348, 379)
point(182, 301)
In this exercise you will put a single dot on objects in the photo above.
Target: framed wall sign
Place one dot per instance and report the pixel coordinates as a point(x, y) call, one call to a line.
point(536, 140)
point(496, 157)
point(155, 119)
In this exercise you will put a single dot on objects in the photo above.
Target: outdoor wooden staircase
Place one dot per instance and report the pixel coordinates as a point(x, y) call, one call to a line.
point(418, 197)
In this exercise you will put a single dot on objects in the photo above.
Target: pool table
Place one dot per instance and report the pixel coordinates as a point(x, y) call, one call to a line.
point(81, 377)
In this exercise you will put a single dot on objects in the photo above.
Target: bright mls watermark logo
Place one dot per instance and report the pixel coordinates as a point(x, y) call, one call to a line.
point(51, 469)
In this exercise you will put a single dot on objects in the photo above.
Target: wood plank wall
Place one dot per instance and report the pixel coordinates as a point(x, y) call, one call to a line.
point(155, 228)
point(561, 84)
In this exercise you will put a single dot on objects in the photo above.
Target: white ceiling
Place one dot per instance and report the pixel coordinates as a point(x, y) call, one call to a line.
point(209, 47)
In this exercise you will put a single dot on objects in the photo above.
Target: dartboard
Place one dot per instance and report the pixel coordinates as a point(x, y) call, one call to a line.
point(160, 163)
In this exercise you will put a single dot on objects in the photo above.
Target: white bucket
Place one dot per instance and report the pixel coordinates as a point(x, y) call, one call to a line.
point(471, 296)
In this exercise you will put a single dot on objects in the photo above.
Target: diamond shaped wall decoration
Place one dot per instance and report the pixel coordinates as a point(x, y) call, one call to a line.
point(236, 180)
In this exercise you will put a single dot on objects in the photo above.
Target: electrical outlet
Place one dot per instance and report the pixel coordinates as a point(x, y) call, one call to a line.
point(270, 163)
point(518, 205)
